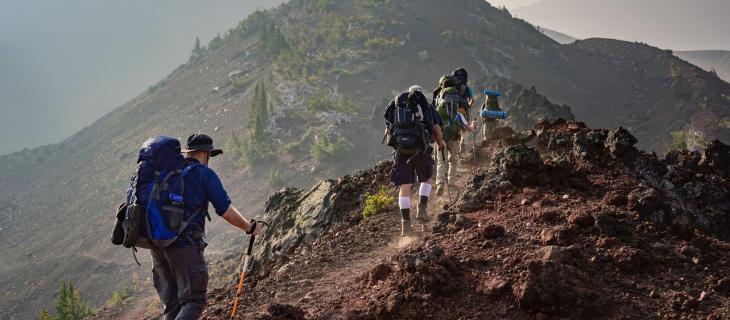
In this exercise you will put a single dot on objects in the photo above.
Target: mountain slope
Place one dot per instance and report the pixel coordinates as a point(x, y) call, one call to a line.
point(710, 60)
point(668, 24)
point(561, 38)
point(329, 69)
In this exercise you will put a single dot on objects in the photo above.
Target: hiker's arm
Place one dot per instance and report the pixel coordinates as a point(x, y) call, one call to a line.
point(235, 218)
point(438, 136)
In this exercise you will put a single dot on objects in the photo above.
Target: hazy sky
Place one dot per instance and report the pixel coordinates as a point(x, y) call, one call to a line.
point(668, 24)
point(65, 63)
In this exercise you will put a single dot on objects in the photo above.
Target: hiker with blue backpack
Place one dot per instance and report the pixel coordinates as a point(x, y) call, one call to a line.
point(166, 208)
point(411, 125)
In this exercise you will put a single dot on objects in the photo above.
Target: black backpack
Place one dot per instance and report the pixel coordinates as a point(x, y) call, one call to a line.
point(407, 133)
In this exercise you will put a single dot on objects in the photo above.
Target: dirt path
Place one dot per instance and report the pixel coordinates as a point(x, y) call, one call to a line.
point(322, 278)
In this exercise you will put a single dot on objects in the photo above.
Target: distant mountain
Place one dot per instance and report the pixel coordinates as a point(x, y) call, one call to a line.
point(668, 24)
point(329, 69)
point(561, 38)
point(110, 50)
point(710, 60)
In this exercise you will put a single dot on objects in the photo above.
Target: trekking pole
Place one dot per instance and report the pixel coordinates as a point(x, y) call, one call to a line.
point(446, 168)
point(246, 263)
point(474, 152)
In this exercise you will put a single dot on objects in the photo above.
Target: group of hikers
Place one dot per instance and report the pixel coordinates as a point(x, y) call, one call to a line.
point(417, 129)
point(169, 194)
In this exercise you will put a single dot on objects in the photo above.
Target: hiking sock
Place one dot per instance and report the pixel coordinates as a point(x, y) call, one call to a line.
point(404, 203)
point(424, 190)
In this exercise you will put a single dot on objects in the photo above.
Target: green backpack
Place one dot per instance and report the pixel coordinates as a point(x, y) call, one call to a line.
point(447, 105)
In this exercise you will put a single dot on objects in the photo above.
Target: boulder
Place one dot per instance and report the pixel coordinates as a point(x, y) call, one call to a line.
point(301, 216)
point(556, 289)
point(492, 231)
point(631, 260)
point(717, 158)
point(557, 236)
point(581, 218)
point(649, 204)
point(620, 144)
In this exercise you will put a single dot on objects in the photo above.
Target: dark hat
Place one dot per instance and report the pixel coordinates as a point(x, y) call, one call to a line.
point(201, 142)
point(461, 74)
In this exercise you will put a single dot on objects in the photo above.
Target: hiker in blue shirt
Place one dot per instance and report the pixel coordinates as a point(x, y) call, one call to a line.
point(180, 273)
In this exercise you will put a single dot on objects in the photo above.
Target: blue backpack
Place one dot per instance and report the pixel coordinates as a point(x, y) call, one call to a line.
point(155, 208)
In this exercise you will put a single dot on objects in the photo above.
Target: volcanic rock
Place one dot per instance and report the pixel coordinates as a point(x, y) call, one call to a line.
point(554, 288)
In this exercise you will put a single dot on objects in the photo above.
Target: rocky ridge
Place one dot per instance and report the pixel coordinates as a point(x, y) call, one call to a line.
point(583, 225)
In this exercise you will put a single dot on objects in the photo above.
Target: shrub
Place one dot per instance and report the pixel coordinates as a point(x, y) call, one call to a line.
point(724, 123)
point(45, 315)
point(377, 203)
point(274, 178)
point(233, 147)
point(216, 42)
point(119, 296)
point(69, 305)
point(323, 149)
point(688, 139)
point(380, 43)
point(322, 102)
point(292, 148)
point(254, 153)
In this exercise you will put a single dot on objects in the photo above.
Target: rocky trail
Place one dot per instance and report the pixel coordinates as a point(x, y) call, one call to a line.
point(322, 276)
point(566, 222)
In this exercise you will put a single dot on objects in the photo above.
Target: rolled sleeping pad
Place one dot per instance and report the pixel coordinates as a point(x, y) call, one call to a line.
point(493, 114)
point(491, 93)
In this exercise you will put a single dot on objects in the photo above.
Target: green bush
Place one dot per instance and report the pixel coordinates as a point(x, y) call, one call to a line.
point(45, 315)
point(324, 150)
point(254, 154)
point(274, 178)
point(216, 42)
point(69, 305)
point(724, 123)
point(233, 147)
point(688, 139)
point(292, 148)
point(321, 102)
point(380, 43)
point(119, 296)
point(377, 203)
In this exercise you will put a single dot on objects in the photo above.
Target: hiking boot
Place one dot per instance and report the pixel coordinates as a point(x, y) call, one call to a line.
point(406, 228)
point(422, 210)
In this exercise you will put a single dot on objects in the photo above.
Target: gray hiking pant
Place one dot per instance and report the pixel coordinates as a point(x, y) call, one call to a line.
point(180, 276)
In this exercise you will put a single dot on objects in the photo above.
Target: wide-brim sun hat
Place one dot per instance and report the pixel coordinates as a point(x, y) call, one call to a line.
point(201, 142)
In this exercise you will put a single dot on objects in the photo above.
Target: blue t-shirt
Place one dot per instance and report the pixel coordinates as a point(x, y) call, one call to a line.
point(202, 186)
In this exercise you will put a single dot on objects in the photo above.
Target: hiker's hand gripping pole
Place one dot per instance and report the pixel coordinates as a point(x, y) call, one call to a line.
point(246, 265)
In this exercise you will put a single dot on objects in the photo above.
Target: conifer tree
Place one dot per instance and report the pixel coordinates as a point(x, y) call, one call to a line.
point(69, 305)
point(259, 113)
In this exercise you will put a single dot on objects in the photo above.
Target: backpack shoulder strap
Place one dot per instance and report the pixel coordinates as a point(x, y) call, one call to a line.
point(189, 167)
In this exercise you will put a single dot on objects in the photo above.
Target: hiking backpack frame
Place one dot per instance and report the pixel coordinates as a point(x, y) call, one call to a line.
point(407, 134)
point(448, 103)
point(153, 215)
